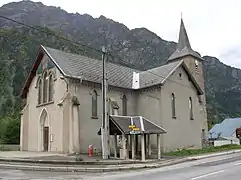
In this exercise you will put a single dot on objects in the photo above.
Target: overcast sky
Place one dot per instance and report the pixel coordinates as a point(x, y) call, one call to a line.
point(213, 26)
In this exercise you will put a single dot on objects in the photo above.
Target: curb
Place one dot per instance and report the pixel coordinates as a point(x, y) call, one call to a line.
point(90, 170)
point(68, 162)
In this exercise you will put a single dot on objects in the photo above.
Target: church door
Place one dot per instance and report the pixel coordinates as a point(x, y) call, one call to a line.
point(46, 138)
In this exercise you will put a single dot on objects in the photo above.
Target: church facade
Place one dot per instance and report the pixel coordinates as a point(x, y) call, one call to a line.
point(63, 108)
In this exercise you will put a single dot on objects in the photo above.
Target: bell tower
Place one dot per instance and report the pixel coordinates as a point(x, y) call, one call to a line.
point(192, 59)
point(194, 62)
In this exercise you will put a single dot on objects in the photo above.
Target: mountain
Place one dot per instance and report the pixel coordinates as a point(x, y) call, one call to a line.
point(139, 48)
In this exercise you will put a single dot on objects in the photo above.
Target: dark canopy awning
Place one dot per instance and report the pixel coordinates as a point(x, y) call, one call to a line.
point(132, 125)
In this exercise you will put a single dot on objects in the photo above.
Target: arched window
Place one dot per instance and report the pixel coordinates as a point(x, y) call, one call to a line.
point(40, 91)
point(94, 104)
point(50, 88)
point(124, 105)
point(190, 108)
point(45, 87)
point(173, 105)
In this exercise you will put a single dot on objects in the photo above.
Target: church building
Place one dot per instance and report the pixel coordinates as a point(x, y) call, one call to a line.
point(63, 111)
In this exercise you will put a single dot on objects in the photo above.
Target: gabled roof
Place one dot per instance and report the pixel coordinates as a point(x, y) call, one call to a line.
point(183, 46)
point(120, 124)
point(88, 69)
point(226, 128)
point(161, 74)
point(81, 67)
point(157, 75)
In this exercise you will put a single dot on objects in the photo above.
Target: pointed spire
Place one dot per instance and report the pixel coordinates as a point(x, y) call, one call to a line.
point(183, 46)
point(183, 40)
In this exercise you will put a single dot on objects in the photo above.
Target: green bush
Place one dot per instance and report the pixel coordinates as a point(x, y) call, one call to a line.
point(10, 129)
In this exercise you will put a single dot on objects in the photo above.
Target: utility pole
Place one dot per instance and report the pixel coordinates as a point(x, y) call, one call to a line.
point(105, 117)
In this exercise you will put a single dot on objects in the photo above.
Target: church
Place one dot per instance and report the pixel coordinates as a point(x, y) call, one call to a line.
point(63, 93)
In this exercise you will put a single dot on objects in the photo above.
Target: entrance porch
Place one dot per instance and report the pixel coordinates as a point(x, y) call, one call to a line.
point(133, 137)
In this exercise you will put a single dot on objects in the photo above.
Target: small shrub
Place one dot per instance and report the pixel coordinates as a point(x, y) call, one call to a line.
point(10, 129)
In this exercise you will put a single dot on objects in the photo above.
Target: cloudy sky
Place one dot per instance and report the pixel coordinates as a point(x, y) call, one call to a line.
point(213, 26)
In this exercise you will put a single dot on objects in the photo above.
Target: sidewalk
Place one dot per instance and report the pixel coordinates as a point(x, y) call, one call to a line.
point(64, 163)
point(64, 159)
point(87, 168)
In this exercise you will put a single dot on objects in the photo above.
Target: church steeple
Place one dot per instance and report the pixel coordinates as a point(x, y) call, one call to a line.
point(183, 46)
point(183, 41)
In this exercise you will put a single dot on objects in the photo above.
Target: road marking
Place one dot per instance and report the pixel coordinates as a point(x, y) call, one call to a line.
point(206, 175)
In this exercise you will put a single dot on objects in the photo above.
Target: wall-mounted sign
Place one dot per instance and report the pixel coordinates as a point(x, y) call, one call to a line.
point(134, 129)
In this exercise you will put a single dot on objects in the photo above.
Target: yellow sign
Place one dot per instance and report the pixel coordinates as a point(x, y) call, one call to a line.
point(132, 126)
point(136, 129)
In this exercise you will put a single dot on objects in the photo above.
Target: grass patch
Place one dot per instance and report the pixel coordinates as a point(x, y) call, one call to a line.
point(190, 152)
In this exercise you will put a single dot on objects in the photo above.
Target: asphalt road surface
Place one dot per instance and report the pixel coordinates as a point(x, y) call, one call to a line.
point(217, 168)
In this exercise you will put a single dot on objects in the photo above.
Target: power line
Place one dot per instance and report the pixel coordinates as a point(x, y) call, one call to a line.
point(83, 45)
point(53, 34)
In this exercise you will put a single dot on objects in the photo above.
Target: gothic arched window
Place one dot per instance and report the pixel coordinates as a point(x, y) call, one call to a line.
point(45, 87)
point(50, 88)
point(173, 105)
point(190, 108)
point(40, 91)
point(94, 103)
point(124, 105)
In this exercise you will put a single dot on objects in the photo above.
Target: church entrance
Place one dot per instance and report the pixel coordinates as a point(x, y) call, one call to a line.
point(46, 138)
point(44, 135)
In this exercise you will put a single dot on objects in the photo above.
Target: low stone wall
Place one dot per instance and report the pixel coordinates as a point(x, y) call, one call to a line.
point(9, 147)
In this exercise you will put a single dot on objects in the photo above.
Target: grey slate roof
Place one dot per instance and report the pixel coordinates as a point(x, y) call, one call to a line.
point(77, 66)
point(158, 75)
point(183, 46)
point(89, 69)
point(226, 128)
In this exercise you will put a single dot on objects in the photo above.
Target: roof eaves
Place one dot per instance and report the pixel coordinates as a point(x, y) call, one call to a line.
point(73, 77)
point(109, 85)
point(177, 57)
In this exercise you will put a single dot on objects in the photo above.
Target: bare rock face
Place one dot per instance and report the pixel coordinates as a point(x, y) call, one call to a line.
point(139, 48)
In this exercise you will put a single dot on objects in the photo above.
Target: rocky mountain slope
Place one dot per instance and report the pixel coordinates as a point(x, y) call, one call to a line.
point(140, 47)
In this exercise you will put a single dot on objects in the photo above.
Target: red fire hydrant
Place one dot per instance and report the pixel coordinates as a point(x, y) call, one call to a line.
point(90, 150)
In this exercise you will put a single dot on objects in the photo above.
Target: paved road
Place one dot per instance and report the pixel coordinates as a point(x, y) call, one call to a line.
point(217, 168)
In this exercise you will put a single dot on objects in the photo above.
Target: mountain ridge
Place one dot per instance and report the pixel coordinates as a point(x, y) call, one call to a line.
point(139, 46)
